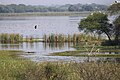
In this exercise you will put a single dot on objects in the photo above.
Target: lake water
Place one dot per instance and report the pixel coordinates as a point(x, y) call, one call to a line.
point(45, 25)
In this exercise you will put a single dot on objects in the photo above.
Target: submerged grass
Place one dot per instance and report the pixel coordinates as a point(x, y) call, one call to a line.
point(13, 67)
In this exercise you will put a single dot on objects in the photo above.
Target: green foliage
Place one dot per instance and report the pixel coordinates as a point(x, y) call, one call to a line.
point(114, 8)
point(117, 29)
point(96, 23)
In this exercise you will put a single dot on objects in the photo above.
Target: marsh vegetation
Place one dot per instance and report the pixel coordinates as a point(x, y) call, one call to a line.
point(75, 38)
point(13, 67)
point(10, 38)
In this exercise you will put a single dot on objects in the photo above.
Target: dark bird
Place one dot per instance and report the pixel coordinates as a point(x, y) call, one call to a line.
point(35, 26)
point(116, 2)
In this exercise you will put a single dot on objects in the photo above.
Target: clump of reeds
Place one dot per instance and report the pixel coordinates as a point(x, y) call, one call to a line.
point(4, 38)
point(29, 39)
point(76, 38)
point(54, 38)
point(10, 38)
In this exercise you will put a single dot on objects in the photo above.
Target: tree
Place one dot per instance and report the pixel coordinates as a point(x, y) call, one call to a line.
point(114, 9)
point(97, 23)
point(117, 28)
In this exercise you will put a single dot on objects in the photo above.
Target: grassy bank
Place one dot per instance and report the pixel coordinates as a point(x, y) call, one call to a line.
point(94, 44)
point(91, 51)
point(84, 14)
point(84, 54)
point(13, 67)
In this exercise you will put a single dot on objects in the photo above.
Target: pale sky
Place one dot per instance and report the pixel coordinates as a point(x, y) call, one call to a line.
point(58, 2)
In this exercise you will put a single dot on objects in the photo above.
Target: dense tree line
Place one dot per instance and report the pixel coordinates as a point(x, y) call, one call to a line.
point(21, 8)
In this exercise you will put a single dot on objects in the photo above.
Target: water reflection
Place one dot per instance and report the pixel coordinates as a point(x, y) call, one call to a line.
point(10, 46)
point(58, 46)
point(46, 25)
point(38, 47)
point(43, 49)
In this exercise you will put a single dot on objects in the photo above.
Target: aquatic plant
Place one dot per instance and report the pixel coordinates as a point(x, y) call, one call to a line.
point(75, 38)
point(4, 38)
point(10, 38)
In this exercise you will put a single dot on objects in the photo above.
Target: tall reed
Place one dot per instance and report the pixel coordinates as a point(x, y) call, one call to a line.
point(4, 38)
point(10, 38)
point(76, 38)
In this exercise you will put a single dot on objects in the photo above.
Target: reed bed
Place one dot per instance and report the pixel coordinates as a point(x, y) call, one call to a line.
point(10, 38)
point(28, 39)
point(76, 38)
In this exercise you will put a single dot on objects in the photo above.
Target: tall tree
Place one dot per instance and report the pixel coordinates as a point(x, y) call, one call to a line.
point(117, 28)
point(114, 9)
point(98, 23)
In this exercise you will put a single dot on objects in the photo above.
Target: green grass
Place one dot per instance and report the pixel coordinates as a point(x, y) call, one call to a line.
point(13, 67)
point(84, 54)
point(90, 45)
point(84, 50)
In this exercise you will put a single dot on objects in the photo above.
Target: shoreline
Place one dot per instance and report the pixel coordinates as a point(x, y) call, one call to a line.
point(85, 13)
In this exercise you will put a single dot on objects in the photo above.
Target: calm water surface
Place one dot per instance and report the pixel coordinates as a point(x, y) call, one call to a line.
point(45, 25)
point(42, 50)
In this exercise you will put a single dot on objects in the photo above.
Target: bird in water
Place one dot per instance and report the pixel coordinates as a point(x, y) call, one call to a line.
point(35, 26)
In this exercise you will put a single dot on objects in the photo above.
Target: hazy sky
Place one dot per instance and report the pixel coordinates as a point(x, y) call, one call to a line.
point(50, 2)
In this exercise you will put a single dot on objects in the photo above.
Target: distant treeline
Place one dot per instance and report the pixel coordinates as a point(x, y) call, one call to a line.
point(21, 8)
